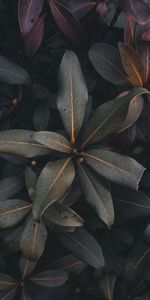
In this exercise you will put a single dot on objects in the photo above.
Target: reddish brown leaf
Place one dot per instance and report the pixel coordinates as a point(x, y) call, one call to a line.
point(132, 64)
point(83, 9)
point(129, 31)
point(34, 37)
point(145, 36)
point(28, 12)
point(144, 51)
point(67, 23)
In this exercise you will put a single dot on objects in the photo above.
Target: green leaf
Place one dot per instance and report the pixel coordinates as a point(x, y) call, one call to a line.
point(30, 181)
point(72, 96)
point(106, 60)
point(62, 215)
point(137, 262)
point(33, 239)
point(107, 284)
point(133, 64)
point(25, 295)
point(50, 278)
point(113, 116)
point(68, 263)
point(20, 142)
point(97, 194)
point(26, 267)
point(52, 140)
point(84, 246)
point(7, 282)
point(9, 295)
point(117, 168)
point(12, 212)
point(12, 73)
point(11, 242)
point(10, 186)
point(54, 180)
point(130, 204)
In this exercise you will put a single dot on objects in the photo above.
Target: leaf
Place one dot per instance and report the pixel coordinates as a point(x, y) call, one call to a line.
point(97, 194)
point(20, 142)
point(72, 94)
point(139, 10)
point(113, 116)
point(145, 36)
point(25, 295)
point(12, 73)
point(132, 64)
point(117, 168)
point(67, 23)
point(50, 278)
point(13, 211)
point(30, 181)
point(107, 283)
point(7, 282)
point(131, 204)
point(11, 242)
point(9, 295)
point(10, 186)
point(62, 215)
point(54, 180)
point(34, 37)
point(68, 263)
point(41, 115)
point(147, 234)
point(84, 246)
point(106, 60)
point(52, 140)
point(82, 10)
point(33, 239)
point(137, 262)
point(26, 267)
point(129, 31)
point(28, 12)
point(144, 51)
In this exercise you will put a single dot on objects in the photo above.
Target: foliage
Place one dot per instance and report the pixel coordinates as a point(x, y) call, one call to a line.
point(74, 149)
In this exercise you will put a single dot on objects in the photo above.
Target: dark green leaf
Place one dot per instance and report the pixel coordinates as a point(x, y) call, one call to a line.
point(114, 116)
point(26, 267)
point(107, 283)
point(25, 295)
point(130, 204)
point(7, 282)
point(11, 242)
point(20, 142)
point(13, 211)
point(72, 96)
point(97, 194)
point(53, 182)
point(62, 215)
point(133, 64)
point(117, 168)
point(9, 295)
point(107, 62)
point(137, 262)
point(50, 278)
point(10, 186)
point(147, 234)
point(33, 239)
point(12, 73)
point(52, 140)
point(84, 246)
point(30, 181)
point(69, 263)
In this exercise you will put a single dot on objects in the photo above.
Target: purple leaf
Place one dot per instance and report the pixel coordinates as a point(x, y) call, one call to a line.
point(67, 23)
point(34, 37)
point(28, 12)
